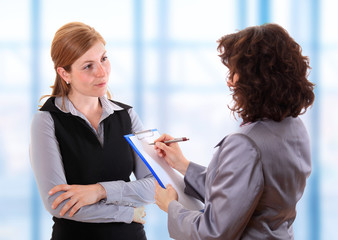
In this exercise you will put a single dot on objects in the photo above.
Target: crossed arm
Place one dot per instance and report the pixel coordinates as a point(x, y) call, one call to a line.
point(116, 201)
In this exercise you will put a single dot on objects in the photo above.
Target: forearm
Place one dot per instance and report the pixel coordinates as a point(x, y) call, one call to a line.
point(135, 193)
point(95, 213)
point(98, 212)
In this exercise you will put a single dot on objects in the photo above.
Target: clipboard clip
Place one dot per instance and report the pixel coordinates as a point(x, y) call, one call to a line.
point(144, 134)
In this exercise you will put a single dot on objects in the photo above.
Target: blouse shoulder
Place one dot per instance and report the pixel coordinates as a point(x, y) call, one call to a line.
point(42, 120)
point(239, 143)
point(238, 138)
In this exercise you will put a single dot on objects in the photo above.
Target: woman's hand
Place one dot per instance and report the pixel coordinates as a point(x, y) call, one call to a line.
point(78, 195)
point(139, 214)
point(164, 196)
point(171, 153)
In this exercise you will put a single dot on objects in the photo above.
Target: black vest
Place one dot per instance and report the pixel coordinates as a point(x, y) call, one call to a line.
point(87, 162)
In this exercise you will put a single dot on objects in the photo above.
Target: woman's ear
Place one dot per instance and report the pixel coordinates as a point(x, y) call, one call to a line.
point(63, 74)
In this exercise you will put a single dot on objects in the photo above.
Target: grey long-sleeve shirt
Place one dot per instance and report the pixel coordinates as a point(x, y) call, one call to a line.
point(48, 169)
point(251, 186)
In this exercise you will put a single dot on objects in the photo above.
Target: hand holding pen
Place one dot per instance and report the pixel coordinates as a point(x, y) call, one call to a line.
point(172, 153)
point(182, 139)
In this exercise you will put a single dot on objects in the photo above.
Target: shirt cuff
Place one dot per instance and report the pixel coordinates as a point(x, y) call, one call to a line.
point(193, 168)
point(126, 214)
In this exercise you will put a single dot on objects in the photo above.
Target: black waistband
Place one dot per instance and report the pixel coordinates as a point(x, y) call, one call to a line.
point(64, 229)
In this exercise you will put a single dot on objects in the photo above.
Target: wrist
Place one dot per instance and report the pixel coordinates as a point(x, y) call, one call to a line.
point(167, 209)
point(102, 194)
point(185, 165)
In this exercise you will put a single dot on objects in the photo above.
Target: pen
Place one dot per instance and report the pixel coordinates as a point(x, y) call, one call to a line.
point(182, 139)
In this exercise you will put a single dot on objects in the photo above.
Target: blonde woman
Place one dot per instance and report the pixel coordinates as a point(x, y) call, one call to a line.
point(80, 159)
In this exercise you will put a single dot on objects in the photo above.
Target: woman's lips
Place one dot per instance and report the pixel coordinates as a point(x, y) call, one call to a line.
point(101, 84)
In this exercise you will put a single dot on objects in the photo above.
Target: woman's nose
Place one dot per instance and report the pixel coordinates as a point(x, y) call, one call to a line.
point(100, 70)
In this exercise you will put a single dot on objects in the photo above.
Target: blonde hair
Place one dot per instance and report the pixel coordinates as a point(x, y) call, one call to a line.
point(70, 42)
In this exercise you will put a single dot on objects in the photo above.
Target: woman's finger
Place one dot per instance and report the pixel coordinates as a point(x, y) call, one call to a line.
point(67, 206)
point(75, 208)
point(162, 138)
point(58, 188)
point(60, 199)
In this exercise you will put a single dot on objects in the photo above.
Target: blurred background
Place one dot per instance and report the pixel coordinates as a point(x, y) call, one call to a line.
point(164, 63)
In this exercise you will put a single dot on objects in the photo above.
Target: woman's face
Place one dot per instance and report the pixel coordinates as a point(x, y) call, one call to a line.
point(90, 73)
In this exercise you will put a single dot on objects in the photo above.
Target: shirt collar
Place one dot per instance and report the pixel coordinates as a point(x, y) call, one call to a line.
point(108, 107)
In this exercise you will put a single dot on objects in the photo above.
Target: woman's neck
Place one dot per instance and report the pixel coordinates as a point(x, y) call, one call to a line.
point(86, 105)
point(90, 107)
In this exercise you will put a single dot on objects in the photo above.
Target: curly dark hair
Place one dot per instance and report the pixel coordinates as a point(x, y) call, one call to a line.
point(272, 73)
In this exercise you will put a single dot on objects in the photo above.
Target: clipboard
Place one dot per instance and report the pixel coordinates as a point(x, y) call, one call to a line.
point(160, 169)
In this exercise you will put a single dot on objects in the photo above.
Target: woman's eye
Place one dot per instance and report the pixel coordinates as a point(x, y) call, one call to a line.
point(104, 58)
point(88, 66)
